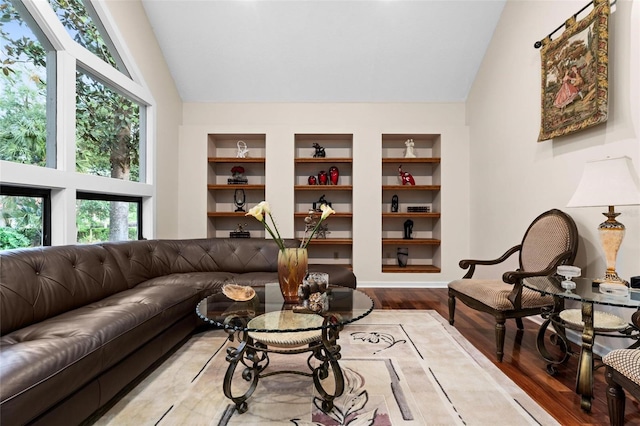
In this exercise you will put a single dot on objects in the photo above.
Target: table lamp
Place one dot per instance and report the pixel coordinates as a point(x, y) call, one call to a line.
point(610, 182)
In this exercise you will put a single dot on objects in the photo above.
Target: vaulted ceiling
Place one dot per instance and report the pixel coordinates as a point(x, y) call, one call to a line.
point(323, 50)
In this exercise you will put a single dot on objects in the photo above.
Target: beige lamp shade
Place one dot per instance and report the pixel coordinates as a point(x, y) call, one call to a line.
point(609, 182)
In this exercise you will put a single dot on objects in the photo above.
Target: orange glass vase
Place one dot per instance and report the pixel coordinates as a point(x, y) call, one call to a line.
point(292, 268)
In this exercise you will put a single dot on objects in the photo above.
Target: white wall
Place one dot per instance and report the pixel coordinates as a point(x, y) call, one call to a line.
point(134, 26)
point(513, 177)
point(367, 122)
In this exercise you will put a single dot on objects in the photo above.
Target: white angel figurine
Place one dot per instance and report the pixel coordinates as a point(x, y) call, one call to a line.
point(408, 153)
point(242, 150)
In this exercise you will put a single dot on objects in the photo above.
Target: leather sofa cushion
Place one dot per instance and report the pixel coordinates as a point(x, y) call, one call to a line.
point(39, 283)
point(43, 363)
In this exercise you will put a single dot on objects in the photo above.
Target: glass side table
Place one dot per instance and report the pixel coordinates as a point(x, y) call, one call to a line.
point(590, 322)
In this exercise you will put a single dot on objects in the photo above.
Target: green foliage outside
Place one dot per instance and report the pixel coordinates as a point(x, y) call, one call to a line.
point(20, 222)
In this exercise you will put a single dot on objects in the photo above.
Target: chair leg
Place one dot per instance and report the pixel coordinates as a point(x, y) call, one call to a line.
point(452, 308)
point(519, 324)
point(615, 399)
point(500, 332)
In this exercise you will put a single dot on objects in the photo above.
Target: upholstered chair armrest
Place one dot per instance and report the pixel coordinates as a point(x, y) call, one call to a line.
point(516, 277)
point(471, 263)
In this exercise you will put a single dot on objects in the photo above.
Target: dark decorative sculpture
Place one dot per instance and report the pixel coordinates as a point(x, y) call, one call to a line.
point(319, 151)
point(239, 199)
point(403, 256)
point(394, 204)
point(320, 202)
point(408, 229)
point(405, 177)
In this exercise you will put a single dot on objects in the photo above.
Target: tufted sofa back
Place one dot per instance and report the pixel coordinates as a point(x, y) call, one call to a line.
point(42, 282)
point(143, 260)
point(39, 283)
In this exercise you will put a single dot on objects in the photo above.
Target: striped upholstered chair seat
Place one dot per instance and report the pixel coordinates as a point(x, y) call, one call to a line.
point(495, 294)
point(622, 374)
point(550, 240)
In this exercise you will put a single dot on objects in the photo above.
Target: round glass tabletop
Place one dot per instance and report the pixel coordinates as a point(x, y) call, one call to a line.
point(585, 291)
point(266, 312)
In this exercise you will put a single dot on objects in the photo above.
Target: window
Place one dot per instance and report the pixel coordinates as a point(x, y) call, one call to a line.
point(62, 109)
point(25, 116)
point(85, 28)
point(101, 217)
point(107, 131)
point(25, 217)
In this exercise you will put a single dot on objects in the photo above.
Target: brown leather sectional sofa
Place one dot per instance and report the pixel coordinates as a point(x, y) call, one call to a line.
point(79, 323)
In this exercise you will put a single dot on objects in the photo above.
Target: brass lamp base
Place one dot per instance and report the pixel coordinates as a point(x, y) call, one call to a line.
point(611, 234)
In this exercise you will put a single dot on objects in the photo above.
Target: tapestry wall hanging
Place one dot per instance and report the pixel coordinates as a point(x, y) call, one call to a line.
point(575, 75)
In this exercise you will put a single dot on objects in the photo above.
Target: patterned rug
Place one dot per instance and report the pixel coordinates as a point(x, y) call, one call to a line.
point(400, 368)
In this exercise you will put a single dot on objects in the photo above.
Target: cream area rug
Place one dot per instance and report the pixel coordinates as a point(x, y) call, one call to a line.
point(400, 368)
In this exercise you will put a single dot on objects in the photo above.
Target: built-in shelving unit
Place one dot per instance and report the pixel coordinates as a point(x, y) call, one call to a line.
point(222, 150)
point(338, 148)
point(424, 243)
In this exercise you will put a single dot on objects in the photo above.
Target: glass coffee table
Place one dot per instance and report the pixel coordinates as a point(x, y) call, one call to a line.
point(265, 324)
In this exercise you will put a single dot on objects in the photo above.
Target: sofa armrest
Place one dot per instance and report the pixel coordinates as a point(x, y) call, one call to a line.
point(338, 274)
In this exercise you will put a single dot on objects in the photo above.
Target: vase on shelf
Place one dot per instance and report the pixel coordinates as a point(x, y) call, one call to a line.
point(292, 268)
point(323, 178)
point(334, 173)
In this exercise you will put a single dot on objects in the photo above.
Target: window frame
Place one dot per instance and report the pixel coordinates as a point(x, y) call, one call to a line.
point(45, 194)
point(80, 195)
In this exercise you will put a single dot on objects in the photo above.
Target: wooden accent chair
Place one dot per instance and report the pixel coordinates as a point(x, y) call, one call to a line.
point(622, 373)
point(550, 240)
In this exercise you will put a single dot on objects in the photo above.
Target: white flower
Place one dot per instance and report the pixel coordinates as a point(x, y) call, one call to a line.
point(262, 209)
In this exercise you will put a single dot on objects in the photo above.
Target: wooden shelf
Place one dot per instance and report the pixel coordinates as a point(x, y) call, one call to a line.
point(411, 187)
point(231, 160)
point(411, 269)
point(337, 214)
point(404, 215)
point(324, 160)
point(323, 188)
point(222, 149)
point(435, 160)
point(226, 214)
point(411, 242)
point(330, 241)
point(237, 186)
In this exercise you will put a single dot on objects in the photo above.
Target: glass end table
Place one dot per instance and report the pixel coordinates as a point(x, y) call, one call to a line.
point(587, 320)
point(265, 324)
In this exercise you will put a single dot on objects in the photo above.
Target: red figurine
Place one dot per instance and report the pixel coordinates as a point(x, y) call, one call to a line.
point(323, 178)
point(405, 177)
point(312, 180)
point(333, 175)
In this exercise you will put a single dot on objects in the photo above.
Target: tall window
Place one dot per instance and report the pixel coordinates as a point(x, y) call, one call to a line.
point(107, 131)
point(25, 217)
point(23, 89)
point(96, 126)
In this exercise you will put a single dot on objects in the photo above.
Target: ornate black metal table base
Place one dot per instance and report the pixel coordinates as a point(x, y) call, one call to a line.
point(254, 356)
point(586, 364)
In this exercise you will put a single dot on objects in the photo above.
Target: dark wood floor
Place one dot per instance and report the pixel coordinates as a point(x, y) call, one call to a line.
point(521, 362)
